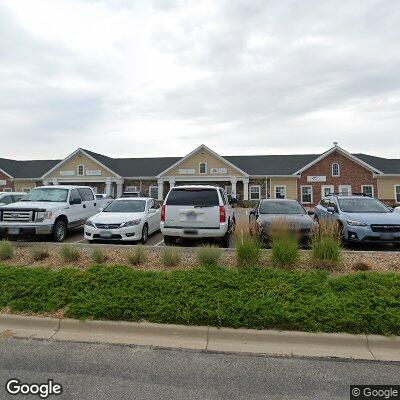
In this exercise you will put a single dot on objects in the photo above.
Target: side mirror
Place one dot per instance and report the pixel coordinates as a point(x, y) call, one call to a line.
point(311, 212)
point(75, 201)
point(331, 210)
point(233, 200)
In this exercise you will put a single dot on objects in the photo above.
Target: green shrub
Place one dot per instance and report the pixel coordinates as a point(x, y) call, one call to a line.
point(6, 250)
point(137, 256)
point(208, 256)
point(285, 251)
point(98, 256)
point(171, 257)
point(326, 245)
point(248, 251)
point(69, 253)
point(39, 253)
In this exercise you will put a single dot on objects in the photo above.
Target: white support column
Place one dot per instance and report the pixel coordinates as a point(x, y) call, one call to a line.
point(233, 183)
point(245, 188)
point(120, 185)
point(108, 187)
point(45, 182)
point(160, 182)
point(266, 188)
point(171, 182)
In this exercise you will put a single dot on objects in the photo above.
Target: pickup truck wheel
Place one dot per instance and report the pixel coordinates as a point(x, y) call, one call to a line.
point(145, 233)
point(169, 240)
point(59, 231)
point(225, 241)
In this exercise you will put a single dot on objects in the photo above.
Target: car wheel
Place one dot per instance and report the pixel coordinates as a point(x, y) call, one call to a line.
point(396, 245)
point(170, 240)
point(59, 231)
point(224, 242)
point(145, 233)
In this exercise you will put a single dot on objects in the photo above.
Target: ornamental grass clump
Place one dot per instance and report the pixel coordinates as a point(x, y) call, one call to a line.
point(208, 256)
point(6, 250)
point(326, 245)
point(284, 243)
point(69, 253)
point(39, 253)
point(171, 257)
point(137, 256)
point(98, 256)
point(248, 246)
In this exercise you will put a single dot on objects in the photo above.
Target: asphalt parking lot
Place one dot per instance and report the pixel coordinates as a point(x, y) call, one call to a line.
point(241, 214)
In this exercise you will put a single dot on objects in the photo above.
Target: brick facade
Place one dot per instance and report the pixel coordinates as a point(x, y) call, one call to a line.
point(351, 173)
point(8, 183)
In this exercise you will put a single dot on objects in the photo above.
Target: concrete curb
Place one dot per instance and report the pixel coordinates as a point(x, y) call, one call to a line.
point(270, 342)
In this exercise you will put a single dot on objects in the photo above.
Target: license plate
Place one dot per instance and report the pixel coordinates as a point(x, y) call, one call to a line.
point(387, 236)
point(13, 231)
point(191, 217)
point(105, 234)
point(190, 232)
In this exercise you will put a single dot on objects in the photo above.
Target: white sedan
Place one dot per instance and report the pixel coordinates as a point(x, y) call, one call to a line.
point(125, 219)
point(397, 209)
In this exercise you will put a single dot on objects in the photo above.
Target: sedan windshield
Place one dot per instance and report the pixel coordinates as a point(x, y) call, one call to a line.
point(362, 206)
point(127, 206)
point(47, 194)
point(281, 207)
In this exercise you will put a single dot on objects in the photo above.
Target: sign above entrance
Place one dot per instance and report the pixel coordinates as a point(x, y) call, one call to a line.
point(218, 170)
point(3, 182)
point(316, 178)
point(67, 173)
point(93, 172)
point(186, 171)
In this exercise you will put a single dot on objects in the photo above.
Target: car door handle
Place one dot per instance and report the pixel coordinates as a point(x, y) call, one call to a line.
point(84, 206)
point(95, 204)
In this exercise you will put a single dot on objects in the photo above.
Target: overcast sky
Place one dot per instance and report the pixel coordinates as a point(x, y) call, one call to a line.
point(143, 78)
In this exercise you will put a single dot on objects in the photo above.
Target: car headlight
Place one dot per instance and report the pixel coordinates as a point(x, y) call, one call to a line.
point(355, 223)
point(42, 215)
point(90, 223)
point(131, 223)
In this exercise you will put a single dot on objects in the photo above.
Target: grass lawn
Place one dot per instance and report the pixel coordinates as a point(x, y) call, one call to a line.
point(364, 302)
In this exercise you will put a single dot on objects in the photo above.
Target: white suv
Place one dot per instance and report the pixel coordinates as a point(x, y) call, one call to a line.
point(197, 211)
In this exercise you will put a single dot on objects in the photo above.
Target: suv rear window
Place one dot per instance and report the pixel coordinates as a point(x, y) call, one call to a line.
point(193, 197)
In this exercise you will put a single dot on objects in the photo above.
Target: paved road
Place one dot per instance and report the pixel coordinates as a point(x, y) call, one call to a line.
point(94, 371)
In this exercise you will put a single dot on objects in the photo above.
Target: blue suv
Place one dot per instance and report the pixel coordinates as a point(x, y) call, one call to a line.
point(362, 219)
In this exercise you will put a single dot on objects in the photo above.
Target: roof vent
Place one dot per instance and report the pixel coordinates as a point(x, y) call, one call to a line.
point(335, 143)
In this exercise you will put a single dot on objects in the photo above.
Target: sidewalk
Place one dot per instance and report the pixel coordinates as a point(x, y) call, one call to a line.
point(284, 343)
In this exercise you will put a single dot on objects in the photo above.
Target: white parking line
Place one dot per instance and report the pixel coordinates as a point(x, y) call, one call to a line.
point(162, 241)
point(78, 241)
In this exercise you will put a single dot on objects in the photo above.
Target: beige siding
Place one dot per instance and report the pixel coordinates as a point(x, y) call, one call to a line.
point(386, 188)
point(203, 156)
point(291, 186)
point(19, 186)
point(72, 165)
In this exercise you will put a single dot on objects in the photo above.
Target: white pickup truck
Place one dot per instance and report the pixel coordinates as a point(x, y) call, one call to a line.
point(49, 210)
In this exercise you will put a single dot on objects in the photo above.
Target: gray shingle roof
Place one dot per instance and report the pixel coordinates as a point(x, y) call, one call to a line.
point(152, 166)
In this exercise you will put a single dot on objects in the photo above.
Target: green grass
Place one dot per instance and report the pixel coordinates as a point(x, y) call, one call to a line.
point(6, 250)
point(208, 256)
point(285, 251)
point(69, 253)
point(363, 302)
point(326, 251)
point(248, 251)
point(137, 256)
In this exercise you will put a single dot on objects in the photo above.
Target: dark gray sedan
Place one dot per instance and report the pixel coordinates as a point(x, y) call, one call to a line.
point(273, 213)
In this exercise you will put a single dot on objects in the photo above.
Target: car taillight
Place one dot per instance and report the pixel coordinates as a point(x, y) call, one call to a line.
point(163, 214)
point(222, 215)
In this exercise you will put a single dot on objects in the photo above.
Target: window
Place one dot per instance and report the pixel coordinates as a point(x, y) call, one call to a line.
point(26, 190)
point(368, 190)
point(75, 196)
point(255, 192)
point(131, 189)
point(397, 193)
point(280, 192)
point(153, 192)
point(326, 190)
point(228, 190)
point(7, 190)
point(189, 197)
point(345, 190)
point(81, 170)
point(86, 194)
point(95, 190)
point(6, 200)
point(202, 168)
point(335, 169)
point(306, 194)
